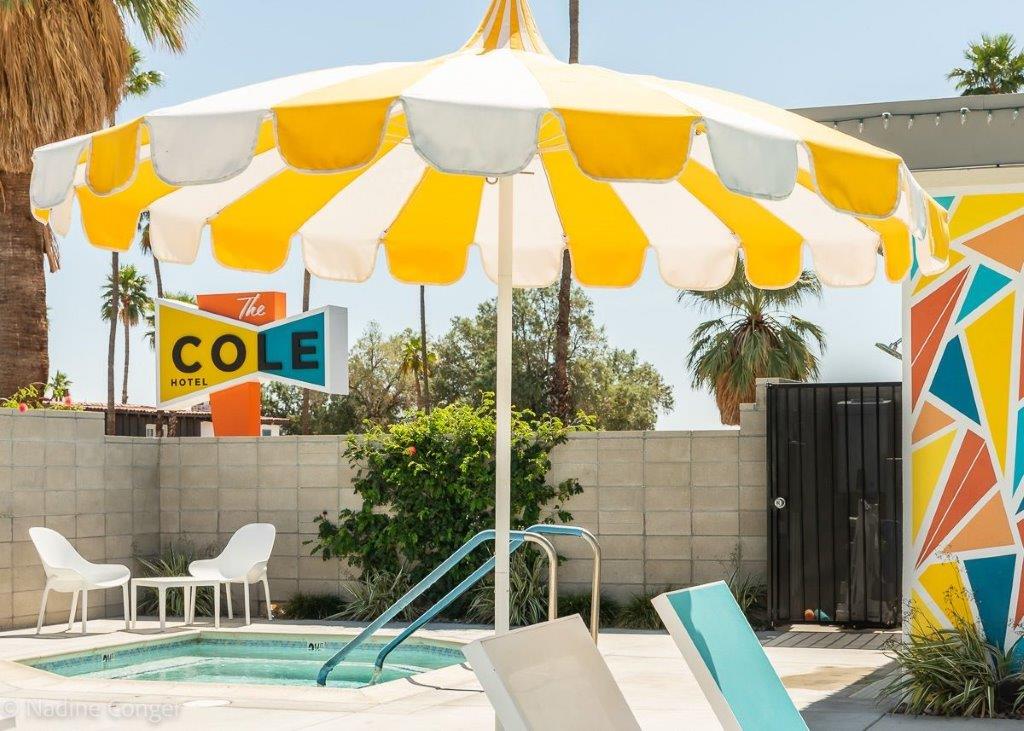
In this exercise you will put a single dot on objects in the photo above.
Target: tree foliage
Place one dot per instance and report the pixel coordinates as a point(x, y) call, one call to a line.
point(994, 66)
point(427, 486)
point(752, 337)
point(612, 384)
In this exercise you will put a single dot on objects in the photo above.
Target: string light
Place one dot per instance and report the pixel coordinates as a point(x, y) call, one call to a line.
point(938, 119)
point(886, 116)
point(860, 125)
point(910, 122)
point(963, 115)
point(989, 118)
point(1016, 113)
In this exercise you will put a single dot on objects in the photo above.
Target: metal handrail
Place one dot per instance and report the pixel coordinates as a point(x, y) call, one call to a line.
point(529, 536)
point(595, 548)
point(406, 599)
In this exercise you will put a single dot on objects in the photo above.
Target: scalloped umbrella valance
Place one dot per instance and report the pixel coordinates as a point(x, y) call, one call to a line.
point(400, 156)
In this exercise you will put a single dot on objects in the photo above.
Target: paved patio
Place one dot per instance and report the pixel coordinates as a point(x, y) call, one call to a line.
point(834, 688)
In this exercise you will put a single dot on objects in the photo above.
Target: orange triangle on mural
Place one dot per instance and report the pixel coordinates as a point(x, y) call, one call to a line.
point(989, 528)
point(930, 420)
point(929, 318)
point(1002, 243)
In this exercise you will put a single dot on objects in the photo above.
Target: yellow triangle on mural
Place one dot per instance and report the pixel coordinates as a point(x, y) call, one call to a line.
point(988, 528)
point(990, 339)
point(945, 586)
point(923, 621)
point(955, 257)
point(974, 211)
point(926, 467)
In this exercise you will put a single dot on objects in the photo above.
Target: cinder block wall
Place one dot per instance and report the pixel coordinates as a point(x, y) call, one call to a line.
point(57, 469)
point(669, 508)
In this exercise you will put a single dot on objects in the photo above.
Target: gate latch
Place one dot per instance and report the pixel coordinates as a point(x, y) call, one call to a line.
point(780, 503)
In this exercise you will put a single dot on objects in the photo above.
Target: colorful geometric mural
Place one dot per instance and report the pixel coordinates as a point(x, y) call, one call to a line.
point(965, 515)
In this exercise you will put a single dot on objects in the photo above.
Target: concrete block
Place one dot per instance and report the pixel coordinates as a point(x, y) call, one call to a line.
point(667, 449)
point(621, 572)
point(198, 475)
point(716, 524)
point(621, 522)
point(29, 427)
point(236, 452)
point(118, 524)
point(714, 548)
point(146, 454)
point(27, 502)
point(611, 451)
point(314, 567)
point(316, 500)
point(118, 476)
point(90, 501)
point(715, 498)
point(277, 499)
point(237, 498)
point(90, 454)
point(716, 448)
point(671, 523)
point(753, 474)
point(753, 449)
point(28, 453)
point(198, 521)
point(169, 476)
point(198, 452)
point(754, 498)
point(238, 475)
point(318, 475)
point(193, 498)
point(669, 574)
point(621, 498)
point(586, 500)
point(59, 478)
point(282, 567)
point(120, 549)
point(319, 451)
point(753, 523)
point(286, 521)
point(620, 474)
point(708, 571)
point(27, 478)
point(278, 451)
point(88, 526)
point(714, 474)
point(667, 548)
point(59, 502)
point(231, 520)
point(119, 454)
point(170, 522)
point(584, 472)
point(148, 500)
point(6, 452)
point(350, 499)
point(60, 426)
point(170, 452)
point(279, 476)
point(66, 525)
point(666, 498)
point(617, 547)
point(89, 428)
point(667, 474)
point(60, 454)
point(753, 422)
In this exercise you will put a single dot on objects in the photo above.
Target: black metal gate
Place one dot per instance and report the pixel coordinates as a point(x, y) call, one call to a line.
point(834, 503)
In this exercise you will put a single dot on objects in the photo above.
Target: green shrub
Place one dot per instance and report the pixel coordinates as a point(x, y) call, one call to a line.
point(312, 606)
point(639, 613)
point(750, 592)
point(955, 672)
point(377, 590)
point(427, 486)
point(173, 561)
point(528, 591)
point(579, 603)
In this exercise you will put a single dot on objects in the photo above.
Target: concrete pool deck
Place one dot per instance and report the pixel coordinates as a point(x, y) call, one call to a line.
point(834, 688)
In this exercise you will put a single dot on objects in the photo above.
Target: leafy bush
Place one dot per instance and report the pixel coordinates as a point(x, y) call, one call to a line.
point(579, 603)
point(173, 561)
point(55, 394)
point(373, 594)
point(313, 606)
point(639, 613)
point(427, 486)
point(955, 672)
point(750, 592)
point(528, 591)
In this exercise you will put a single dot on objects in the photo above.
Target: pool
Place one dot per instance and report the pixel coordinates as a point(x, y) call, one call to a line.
point(223, 658)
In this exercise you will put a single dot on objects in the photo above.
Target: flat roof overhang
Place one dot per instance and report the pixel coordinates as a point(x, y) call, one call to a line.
point(951, 144)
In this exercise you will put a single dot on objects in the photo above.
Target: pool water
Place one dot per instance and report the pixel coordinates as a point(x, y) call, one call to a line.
point(221, 658)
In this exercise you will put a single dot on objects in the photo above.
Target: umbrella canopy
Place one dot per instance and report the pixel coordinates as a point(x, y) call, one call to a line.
point(396, 154)
point(400, 155)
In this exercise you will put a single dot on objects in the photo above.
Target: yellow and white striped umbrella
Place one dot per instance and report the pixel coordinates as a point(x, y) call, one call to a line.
point(398, 154)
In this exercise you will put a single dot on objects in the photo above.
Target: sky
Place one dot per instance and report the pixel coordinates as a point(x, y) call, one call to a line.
point(792, 53)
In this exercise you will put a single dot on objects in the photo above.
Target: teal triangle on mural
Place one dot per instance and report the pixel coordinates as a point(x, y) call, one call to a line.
point(945, 200)
point(991, 582)
point(1020, 507)
point(952, 382)
point(986, 282)
point(1018, 460)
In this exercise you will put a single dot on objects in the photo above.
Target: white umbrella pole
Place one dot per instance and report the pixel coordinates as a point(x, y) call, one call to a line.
point(503, 403)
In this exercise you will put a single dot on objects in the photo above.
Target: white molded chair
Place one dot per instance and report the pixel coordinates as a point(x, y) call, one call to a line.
point(66, 571)
point(243, 561)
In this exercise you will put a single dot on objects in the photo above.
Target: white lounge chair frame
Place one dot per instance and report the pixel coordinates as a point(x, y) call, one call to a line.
point(243, 561)
point(67, 572)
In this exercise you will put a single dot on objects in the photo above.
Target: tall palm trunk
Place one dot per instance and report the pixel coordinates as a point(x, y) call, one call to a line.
point(304, 417)
point(127, 339)
point(561, 402)
point(156, 276)
point(424, 364)
point(23, 352)
point(115, 296)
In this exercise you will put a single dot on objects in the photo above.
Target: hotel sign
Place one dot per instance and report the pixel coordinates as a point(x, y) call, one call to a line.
point(200, 352)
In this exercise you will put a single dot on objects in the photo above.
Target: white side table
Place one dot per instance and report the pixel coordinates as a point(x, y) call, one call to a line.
point(188, 584)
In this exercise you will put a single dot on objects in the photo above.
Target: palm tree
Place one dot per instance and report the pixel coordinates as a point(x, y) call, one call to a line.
point(126, 299)
point(417, 362)
point(150, 317)
point(64, 71)
point(307, 283)
point(424, 357)
point(561, 401)
point(753, 337)
point(994, 67)
point(147, 250)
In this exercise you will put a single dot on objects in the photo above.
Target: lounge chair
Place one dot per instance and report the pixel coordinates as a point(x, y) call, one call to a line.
point(726, 658)
point(550, 676)
point(66, 571)
point(243, 561)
